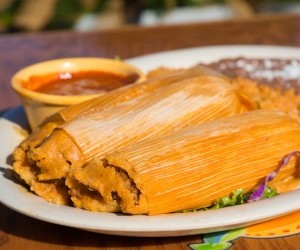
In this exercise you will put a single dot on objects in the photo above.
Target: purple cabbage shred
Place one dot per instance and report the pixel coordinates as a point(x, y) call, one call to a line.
point(258, 193)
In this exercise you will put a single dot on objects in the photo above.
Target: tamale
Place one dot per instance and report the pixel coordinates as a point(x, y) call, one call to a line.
point(166, 109)
point(189, 168)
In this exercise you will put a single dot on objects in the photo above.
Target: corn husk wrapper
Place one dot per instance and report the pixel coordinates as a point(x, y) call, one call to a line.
point(128, 92)
point(170, 108)
point(190, 168)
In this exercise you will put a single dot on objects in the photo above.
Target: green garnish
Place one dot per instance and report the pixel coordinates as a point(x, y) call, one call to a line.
point(269, 192)
point(237, 197)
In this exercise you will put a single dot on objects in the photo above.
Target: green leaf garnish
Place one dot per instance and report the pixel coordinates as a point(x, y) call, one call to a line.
point(237, 197)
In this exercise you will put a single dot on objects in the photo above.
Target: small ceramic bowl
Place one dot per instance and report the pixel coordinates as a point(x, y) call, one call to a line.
point(40, 105)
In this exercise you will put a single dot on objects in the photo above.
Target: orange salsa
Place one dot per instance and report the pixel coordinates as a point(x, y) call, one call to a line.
point(78, 83)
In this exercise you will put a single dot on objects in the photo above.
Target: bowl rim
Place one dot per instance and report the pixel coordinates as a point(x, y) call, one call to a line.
point(65, 99)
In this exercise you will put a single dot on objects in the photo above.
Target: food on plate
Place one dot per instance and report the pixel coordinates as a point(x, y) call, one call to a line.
point(166, 109)
point(177, 141)
point(270, 83)
point(189, 168)
point(125, 93)
point(280, 73)
point(271, 98)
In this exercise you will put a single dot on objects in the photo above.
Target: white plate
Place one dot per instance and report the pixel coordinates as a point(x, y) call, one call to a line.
point(192, 56)
point(20, 199)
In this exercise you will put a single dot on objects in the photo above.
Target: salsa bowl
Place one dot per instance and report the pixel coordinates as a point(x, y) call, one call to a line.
point(49, 86)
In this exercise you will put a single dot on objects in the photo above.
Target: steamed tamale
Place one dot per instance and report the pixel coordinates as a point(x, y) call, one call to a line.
point(189, 168)
point(169, 108)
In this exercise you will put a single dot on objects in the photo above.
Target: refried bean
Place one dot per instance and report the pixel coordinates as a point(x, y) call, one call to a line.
point(280, 72)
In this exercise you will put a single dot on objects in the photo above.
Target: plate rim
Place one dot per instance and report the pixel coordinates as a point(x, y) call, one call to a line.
point(249, 50)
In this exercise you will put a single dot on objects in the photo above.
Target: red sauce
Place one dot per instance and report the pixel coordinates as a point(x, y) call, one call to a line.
point(78, 83)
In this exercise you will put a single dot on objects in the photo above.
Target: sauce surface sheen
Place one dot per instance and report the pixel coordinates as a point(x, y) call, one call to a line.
point(78, 83)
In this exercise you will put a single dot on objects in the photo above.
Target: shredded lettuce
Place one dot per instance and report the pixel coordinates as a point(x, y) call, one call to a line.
point(238, 197)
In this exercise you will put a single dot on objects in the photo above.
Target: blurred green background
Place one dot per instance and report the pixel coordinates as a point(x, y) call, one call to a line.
point(43, 15)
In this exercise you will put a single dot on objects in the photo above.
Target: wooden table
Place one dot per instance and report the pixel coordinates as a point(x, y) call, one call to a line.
point(19, 50)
